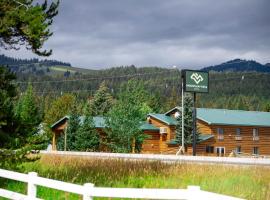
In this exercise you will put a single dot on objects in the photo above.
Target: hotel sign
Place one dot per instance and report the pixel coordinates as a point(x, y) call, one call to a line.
point(196, 81)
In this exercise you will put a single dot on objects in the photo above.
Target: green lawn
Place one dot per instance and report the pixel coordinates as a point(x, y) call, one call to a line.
point(247, 182)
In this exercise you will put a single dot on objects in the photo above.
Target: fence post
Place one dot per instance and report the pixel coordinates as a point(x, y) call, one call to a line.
point(87, 187)
point(31, 188)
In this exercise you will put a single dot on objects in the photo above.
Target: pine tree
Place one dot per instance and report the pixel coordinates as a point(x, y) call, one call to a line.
point(27, 112)
point(7, 95)
point(87, 137)
point(188, 122)
point(101, 103)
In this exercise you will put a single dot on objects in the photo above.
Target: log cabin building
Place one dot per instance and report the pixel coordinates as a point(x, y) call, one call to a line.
point(221, 131)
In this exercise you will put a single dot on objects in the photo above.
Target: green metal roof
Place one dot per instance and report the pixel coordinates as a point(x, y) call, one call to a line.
point(150, 127)
point(164, 118)
point(99, 122)
point(59, 121)
point(202, 138)
point(234, 117)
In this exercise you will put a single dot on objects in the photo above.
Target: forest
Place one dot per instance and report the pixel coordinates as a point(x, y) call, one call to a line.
point(30, 104)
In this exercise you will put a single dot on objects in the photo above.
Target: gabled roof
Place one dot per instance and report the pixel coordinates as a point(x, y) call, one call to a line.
point(234, 117)
point(164, 118)
point(177, 108)
point(99, 122)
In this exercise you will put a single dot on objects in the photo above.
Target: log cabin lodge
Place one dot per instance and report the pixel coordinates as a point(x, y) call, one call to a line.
point(221, 131)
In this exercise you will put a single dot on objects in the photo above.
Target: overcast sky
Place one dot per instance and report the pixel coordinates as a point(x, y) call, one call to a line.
point(185, 33)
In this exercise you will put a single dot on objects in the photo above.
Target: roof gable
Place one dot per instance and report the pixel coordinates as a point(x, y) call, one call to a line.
point(164, 118)
point(177, 108)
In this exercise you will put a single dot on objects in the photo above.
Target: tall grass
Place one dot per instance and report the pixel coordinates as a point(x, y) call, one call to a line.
point(248, 182)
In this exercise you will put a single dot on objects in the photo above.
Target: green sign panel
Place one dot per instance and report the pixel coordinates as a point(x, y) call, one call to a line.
point(196, 81)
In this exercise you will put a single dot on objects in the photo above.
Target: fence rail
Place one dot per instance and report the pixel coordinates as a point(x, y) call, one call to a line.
point(88, 190)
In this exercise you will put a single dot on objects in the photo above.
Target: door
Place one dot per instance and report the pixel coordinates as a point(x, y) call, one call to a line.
point(220, 151)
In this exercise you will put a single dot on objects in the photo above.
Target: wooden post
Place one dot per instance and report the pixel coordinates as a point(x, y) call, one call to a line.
point(133, 145)
point(88, 187)
point(53, 142)
point(32, 188)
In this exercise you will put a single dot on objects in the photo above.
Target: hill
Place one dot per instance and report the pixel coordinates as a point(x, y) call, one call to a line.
point(40, 67)
point(238, 65)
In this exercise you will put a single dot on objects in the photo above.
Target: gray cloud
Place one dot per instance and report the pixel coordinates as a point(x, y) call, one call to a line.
point(103, 33)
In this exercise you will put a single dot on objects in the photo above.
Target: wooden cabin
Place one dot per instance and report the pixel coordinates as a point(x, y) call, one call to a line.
point(221, 132)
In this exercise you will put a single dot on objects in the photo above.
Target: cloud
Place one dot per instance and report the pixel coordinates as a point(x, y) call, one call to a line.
point(98, 34)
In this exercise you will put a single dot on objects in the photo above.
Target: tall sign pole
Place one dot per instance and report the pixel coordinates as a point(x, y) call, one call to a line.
point(195, 82)
point(183, 120)
point(194, 130)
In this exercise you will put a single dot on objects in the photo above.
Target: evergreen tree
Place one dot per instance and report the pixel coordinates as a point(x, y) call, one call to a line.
point(26, 22)
point(188, 122)
point(87, 137)
point(101, 103)
point(7, 95)
point(27, 112)
point(29, 118)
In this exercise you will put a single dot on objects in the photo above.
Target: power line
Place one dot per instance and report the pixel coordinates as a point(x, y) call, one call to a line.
point(96, 78)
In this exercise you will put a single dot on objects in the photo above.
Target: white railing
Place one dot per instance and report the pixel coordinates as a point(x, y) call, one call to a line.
point(88, 191)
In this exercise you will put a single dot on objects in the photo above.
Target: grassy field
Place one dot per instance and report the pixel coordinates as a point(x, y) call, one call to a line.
point(247, 182)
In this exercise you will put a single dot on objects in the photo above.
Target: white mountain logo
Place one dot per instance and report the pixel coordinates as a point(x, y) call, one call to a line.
point(197, 78)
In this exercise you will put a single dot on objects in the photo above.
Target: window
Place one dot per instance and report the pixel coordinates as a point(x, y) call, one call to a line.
point(209, 149)
point(255, 150)
point(238, 134)
point(255, 132)
point(238, 149)
point(220, 132)
point(238, 131)
point(220, 151)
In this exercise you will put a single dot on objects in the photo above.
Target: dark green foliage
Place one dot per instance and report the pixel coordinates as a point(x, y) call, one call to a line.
point(26, 22)
point(7, 94)
point(239, 65)
point(188, 122)
point(87, 137)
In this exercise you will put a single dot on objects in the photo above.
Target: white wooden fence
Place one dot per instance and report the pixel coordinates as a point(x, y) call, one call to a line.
point(88, 190)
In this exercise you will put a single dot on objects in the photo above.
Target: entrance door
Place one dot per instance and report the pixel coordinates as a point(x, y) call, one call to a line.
point(220, 151)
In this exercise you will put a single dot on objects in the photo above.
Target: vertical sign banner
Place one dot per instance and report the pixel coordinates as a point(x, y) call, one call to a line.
point(196, 81)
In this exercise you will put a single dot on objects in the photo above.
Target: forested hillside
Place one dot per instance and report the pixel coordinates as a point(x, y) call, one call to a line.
point(233, 90)
point(238, 65)
point(236, 88)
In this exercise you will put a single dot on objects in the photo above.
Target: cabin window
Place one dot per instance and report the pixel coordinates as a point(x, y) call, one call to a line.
point(220, 132)
point(238, 149)
point(255, 132)
point(255, 150)
point(209, 149)
point(238, 132)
